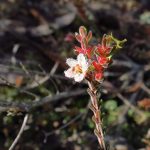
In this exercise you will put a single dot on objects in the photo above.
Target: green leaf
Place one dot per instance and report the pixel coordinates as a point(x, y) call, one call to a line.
point(118, 43)
point(90, 123)
point(110, 105)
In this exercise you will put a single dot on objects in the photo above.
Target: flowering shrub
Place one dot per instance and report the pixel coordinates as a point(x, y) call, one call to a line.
point(91, 60)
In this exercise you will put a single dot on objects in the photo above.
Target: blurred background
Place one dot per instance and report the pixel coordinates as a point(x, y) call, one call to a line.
point(36, 36)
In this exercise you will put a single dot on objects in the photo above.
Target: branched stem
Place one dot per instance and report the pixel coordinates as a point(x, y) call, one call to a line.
point(97, 115)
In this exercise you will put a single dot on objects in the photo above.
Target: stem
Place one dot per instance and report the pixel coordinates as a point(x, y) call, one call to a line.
point(20, 132)
point(97, 115)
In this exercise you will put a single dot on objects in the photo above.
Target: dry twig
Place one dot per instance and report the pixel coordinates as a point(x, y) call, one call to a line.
point(20, 132)
point(28, 106)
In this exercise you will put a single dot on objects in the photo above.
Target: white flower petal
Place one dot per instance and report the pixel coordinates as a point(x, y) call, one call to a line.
point(85, 67)
point(81, 59)
point(79, 77)
point(69, 73)
point(82, 62)
point(71, 62)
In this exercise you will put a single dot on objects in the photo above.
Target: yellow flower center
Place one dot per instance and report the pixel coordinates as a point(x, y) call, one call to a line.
point(77, 69)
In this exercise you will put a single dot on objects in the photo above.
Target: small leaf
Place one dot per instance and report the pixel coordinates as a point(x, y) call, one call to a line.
point(110, 105)
point(89, 36)
point(84, 43)
point(118, 43)
point(78, 37)
point(90, 123)
point(130, 112)
point(104, 40)
point(83, 31)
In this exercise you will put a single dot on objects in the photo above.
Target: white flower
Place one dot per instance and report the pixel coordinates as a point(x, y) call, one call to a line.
point(78, 68)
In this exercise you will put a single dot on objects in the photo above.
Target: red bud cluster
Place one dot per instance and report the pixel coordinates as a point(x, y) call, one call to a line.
point(91, 62)
point(92, 59)
point(98, 55)
point(83, 38)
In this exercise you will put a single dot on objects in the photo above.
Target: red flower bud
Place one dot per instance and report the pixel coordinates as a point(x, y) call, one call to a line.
point(79, 50)
point(97, 66)
point(103, 50)
point(98, 76)
point(86, 52)
point(69, 37)
point(103, 60)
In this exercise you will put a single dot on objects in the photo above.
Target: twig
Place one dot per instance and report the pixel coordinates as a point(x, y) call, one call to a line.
point(20, 132)
point(28, 73)
point(145, 88)
point(54, 68)
point(27, 106)
point(19, 89)
point(126, 102)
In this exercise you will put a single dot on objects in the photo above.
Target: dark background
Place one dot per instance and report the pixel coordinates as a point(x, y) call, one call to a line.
point(36, 37)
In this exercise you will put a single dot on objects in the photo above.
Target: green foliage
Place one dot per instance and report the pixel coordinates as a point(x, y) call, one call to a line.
point(8, 93)
point(145, 18)
point(139, 118)
point(7, 120)
point(111, 109)
point(90, 123)
point(118, 44)
point(110, 105)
